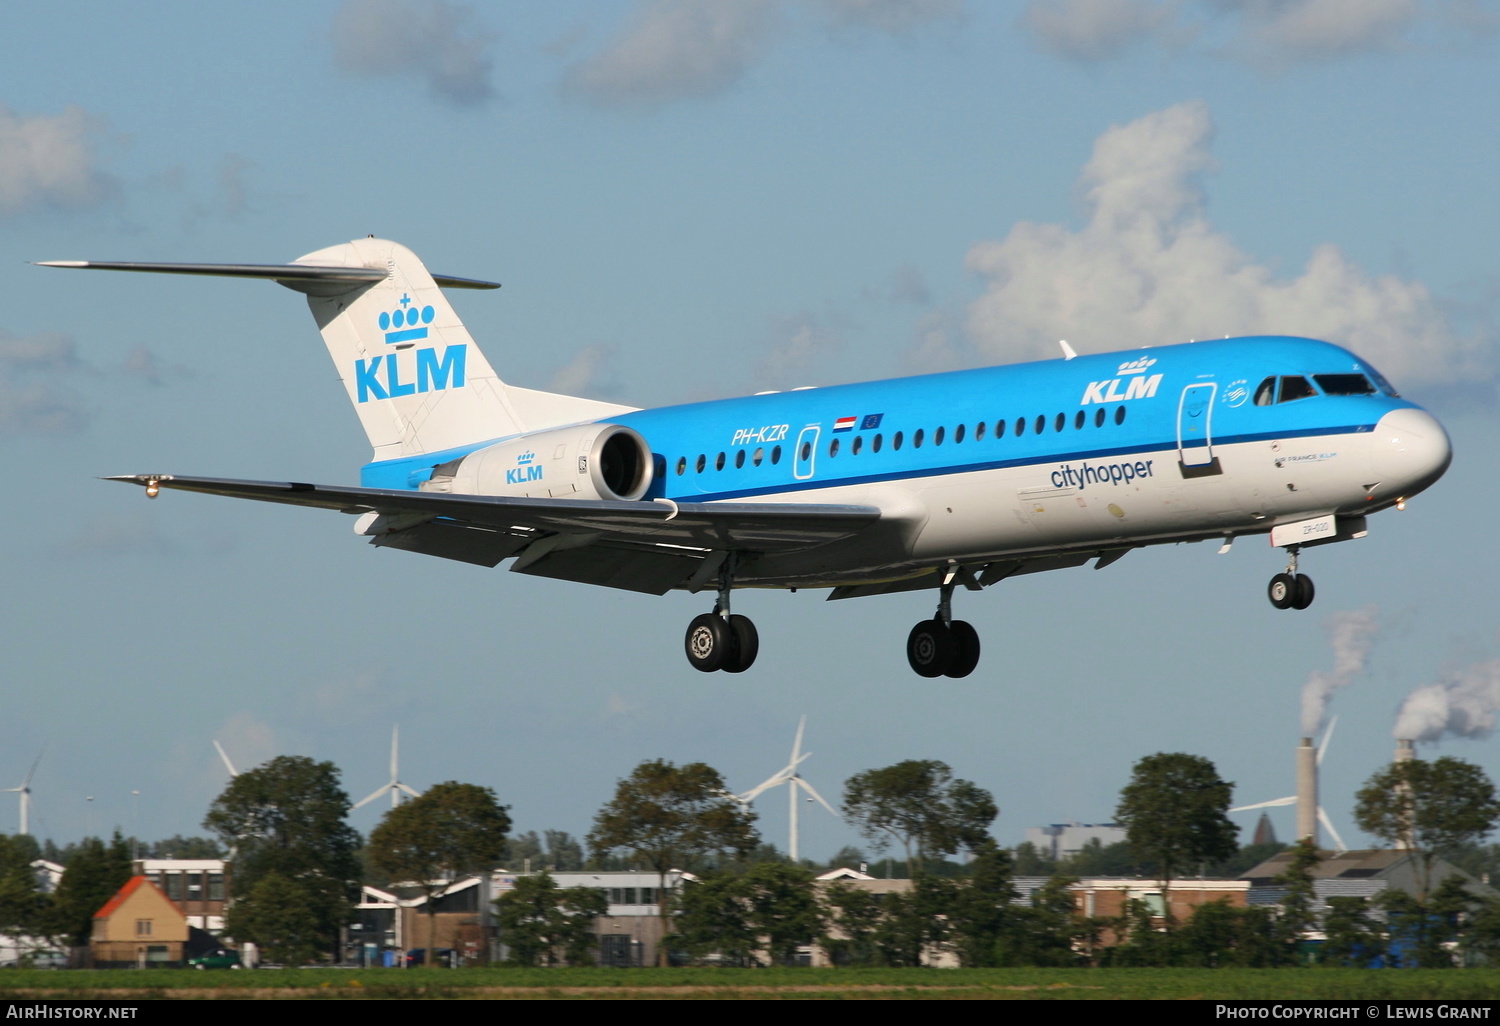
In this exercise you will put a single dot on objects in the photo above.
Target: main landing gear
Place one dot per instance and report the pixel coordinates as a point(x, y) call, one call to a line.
point(1291, 590)
point(943, 646)
point(722, 640)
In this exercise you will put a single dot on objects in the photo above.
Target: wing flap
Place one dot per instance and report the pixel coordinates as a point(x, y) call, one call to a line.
point(454, 541)
point(652, 571)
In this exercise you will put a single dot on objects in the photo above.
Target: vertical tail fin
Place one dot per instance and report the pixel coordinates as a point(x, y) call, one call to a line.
point(413, 374)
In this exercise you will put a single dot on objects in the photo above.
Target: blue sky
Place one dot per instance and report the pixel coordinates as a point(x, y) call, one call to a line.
point(693, 200)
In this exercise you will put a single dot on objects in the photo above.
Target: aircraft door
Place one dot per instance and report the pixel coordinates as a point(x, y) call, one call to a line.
point(1195, 445)
point(807, 452)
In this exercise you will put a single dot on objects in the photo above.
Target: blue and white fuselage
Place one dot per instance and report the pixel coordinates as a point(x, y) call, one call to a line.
point(1114, 450)
point(940, 482)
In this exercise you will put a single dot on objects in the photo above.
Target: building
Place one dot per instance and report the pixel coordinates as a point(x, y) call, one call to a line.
point(630, 931)
point(393, 920)
point(198, 887)
point(139, 927)
point(1354, 874)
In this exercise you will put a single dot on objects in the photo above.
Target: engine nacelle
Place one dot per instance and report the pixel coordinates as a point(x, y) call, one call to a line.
point(593, 461)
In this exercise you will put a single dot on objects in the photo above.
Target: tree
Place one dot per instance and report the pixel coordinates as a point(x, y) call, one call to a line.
point(450, 830)
point(982, 910)
point(1354, 938)
point(855, 913)
point(541, 922)
point(1173, 811)
point(667, 815)
point(771, 907)
point(91, 878)
point(21, 902)
point(919, 804)
point(279, 916)
point(1297, 916)
point(287, 818)
point(1429, 807)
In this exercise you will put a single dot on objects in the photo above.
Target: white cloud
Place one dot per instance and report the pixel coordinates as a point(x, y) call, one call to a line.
point(439, 42)
point(249, 742)
point(36, 397)
point(115, 535)
point(49, 161)
point(591, 372)
point(141, 363)
point(799, 343)
point(1307, 30)
point(672, 49)
point(1091, 30)
point(1266, 32)
point(1148, 267)
point(894, 16)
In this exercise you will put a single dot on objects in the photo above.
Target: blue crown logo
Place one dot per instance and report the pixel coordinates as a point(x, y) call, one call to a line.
point(525, 458)
point(405, 321)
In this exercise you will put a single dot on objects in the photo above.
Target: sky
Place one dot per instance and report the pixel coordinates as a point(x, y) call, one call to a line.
point(685, 201)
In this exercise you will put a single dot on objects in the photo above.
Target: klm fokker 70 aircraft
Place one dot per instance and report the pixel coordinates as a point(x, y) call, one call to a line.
point(939, 482)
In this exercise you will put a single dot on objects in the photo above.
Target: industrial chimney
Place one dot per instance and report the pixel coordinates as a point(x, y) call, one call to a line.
point(1405, 752)
point(1307, 792)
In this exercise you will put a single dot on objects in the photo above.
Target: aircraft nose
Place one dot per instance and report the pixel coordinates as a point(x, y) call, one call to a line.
point(1411, 451)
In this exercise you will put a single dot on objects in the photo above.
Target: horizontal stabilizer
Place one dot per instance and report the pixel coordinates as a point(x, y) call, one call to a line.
point(293, 276)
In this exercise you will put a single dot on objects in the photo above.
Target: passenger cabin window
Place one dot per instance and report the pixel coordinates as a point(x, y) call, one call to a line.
point(1344, 384)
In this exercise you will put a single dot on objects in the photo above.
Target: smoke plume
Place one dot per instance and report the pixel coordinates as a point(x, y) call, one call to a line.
point(1350, 634)
point(1463, 704)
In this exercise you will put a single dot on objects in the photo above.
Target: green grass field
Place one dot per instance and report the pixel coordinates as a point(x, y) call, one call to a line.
point(1028, 984)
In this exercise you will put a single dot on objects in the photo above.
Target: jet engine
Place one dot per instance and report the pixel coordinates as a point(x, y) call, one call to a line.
point(591, 461)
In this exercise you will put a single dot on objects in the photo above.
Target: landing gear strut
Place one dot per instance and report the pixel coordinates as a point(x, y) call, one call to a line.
point(943, 646)
point(1291, 590)
point(722, 640)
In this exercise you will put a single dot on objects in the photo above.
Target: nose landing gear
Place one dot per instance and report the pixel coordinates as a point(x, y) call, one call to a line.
point(1291, 590)
point(943, 646)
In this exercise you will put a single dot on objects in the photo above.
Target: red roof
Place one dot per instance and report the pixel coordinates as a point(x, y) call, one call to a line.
point(131, 886)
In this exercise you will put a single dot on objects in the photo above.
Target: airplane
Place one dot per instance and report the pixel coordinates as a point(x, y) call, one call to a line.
point(939, 482)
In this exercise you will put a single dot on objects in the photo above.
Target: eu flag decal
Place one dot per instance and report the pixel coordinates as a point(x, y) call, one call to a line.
point(871, 421)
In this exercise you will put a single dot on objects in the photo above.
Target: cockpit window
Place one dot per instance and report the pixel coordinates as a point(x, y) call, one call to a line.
point(1384, 385)
point(1284, 390)
point(1344, 384)
point(1294, 388)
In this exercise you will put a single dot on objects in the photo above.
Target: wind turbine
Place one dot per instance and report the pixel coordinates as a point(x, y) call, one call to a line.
point(225, 756)
point(788, 775)
point(394, 785)
point(25, 792)
point(1323, 819)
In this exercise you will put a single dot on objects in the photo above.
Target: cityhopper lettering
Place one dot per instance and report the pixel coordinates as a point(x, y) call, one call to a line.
point(1085, 474)
point(389, 377)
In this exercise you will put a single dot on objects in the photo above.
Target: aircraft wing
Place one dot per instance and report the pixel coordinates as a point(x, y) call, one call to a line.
point(639, 546)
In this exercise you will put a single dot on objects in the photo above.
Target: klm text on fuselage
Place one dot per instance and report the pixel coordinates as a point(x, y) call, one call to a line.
point(388, 376)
